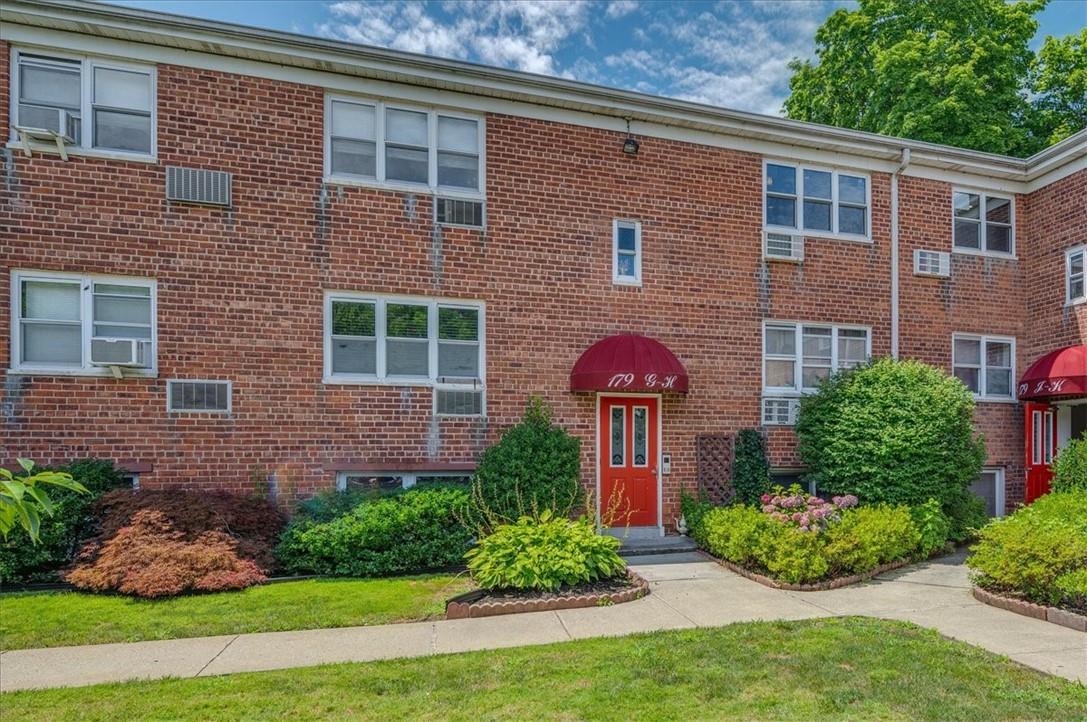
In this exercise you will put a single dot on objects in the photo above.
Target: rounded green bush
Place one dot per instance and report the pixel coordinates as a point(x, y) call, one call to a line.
point(544, 553)
point(868, 536)
point(734, 532)
point(1072, 588)
point(897, 432)
point(794, 556)
point(1070, 466)
point(535, 466)
point(1024, 554)
point(409, 532)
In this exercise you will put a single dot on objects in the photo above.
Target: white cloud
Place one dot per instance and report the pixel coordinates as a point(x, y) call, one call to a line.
point(619, 8)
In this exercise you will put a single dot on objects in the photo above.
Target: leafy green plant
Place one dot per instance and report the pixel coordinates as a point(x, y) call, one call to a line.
point(23, 501)
point(694, 510)
point(414, 531)
point(868, 536)
point(1070, 466)
point(896, 432)
point(966, 513)
point(735, 532)
point(59, 535)
point(793, 555)
point(933, 526)
point(544, 553)
point(1072, 588)
point(535, 466)
point(1026, 553)
point(750, 469)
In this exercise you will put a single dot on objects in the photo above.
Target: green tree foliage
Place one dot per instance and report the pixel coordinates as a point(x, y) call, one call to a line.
point(750, 469)
point(898, 432)
point(958, 72)
point(535, 466)
point(1070, 466)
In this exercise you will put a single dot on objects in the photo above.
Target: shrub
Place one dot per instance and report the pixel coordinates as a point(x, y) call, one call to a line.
point(869, 536)
point(694, 510)
point(1070, 466)
point(933, 526)
point(735, 532)
point(546, 554)
point(793, 555)
point(897, 432)
point(535, 466)
point(60, 534)
point(966, 513)
point(1072, 588)
point(150, 558)
point(795, 507)
point(1026, 553)
point(414, 531)
point(750, 469)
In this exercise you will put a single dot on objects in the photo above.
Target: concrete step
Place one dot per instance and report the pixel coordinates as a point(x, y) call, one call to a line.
point(659, 545)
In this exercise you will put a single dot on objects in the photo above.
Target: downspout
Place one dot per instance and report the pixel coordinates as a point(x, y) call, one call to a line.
point(894, 250)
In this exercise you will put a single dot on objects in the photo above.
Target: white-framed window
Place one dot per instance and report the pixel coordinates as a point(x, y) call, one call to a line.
point(1075, 264)
point(816, 201)
point(393, 480)
point(389, 144)
point(797, 356)
point(409, 341)
point(983, 223)
point(990, 487)
point(986, 364)
point(99, 104)
point(626, 252)
point(67, 323)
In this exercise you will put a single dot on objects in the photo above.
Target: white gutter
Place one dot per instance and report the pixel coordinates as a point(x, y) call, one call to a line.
point(894, 250)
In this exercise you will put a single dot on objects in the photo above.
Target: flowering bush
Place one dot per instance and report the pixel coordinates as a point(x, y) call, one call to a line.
point(804, 511)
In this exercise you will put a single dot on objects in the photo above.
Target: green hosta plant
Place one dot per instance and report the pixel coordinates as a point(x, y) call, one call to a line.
point(23, 500)
point(544, 553)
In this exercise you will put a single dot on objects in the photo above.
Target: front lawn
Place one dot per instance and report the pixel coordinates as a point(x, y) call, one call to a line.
point(54, 619)
point(849, 668)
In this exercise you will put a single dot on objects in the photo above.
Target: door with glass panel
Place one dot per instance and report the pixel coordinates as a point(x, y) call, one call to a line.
point(1041, 446)
point(628, 460)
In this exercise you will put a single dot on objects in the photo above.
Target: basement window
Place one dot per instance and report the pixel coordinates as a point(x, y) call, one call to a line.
point(389, 481)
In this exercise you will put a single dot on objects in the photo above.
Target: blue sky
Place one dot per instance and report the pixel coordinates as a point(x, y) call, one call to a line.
point(730, 53)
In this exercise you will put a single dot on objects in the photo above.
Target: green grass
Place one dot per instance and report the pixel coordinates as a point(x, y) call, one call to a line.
point(52, 619)
point(850, 668)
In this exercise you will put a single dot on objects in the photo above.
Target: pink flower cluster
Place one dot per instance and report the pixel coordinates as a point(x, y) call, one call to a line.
point(806, 512)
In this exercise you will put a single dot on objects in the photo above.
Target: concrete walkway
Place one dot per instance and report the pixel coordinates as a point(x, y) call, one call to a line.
point(687, 591)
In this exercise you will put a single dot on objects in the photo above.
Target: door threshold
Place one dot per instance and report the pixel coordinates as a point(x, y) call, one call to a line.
point(634, 532)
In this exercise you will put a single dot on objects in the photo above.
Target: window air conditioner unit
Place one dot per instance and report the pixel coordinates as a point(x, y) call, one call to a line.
point(783, 246)
point(120, 352)
point(931, 263)
point(62, 131)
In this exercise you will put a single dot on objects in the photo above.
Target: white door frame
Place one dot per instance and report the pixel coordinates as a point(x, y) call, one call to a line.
point(660, 453)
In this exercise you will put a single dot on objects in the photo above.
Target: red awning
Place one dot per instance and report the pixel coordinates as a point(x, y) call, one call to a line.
point(1060, 373)
point(628, 363)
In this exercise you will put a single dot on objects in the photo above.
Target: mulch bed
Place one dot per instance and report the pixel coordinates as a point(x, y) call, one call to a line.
point(481, 603)
point(1055, 615)
point(835, 583)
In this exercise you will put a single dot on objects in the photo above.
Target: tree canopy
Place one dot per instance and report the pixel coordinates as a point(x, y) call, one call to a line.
point(958, 72)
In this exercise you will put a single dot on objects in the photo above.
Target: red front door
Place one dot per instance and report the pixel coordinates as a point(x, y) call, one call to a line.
point(1041, 445)
point(628, 460)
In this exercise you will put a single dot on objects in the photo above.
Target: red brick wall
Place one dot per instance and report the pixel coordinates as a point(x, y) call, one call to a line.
point(240, 291)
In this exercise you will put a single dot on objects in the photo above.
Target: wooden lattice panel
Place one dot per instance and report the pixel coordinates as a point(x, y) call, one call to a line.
point(714, 458)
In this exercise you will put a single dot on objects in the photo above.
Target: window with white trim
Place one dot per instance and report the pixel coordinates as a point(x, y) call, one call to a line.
point(990, 487)
point(378, 481)
point(627, 252)
point(986, 364)
point(404, 340)
point(983, 223)
point(797, 357)
point(1075, 260)
point(69, 323)
point(96, 103)
point(817, 201)
point(369, 140)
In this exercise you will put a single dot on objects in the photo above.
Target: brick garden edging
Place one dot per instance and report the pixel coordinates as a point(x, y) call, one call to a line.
point(1054, 615)
point(815, 587)
point(470, 604)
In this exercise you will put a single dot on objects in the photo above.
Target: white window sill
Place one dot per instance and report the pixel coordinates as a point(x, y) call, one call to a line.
point(51, 149)
point(994, 400)
point(984, 254)
point(103, 372)
point(423, 188)
point(342, 380)
point(1076, 302)
point(627, 282)
point(818, 235)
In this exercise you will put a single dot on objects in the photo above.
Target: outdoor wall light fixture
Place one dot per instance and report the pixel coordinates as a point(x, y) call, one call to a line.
point(630, 145)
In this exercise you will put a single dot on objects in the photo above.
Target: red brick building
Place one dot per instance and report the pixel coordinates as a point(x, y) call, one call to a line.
point(247, 260)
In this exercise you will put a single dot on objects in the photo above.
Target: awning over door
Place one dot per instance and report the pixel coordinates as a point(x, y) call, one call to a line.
point(1058, 374)
point(628, 362)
